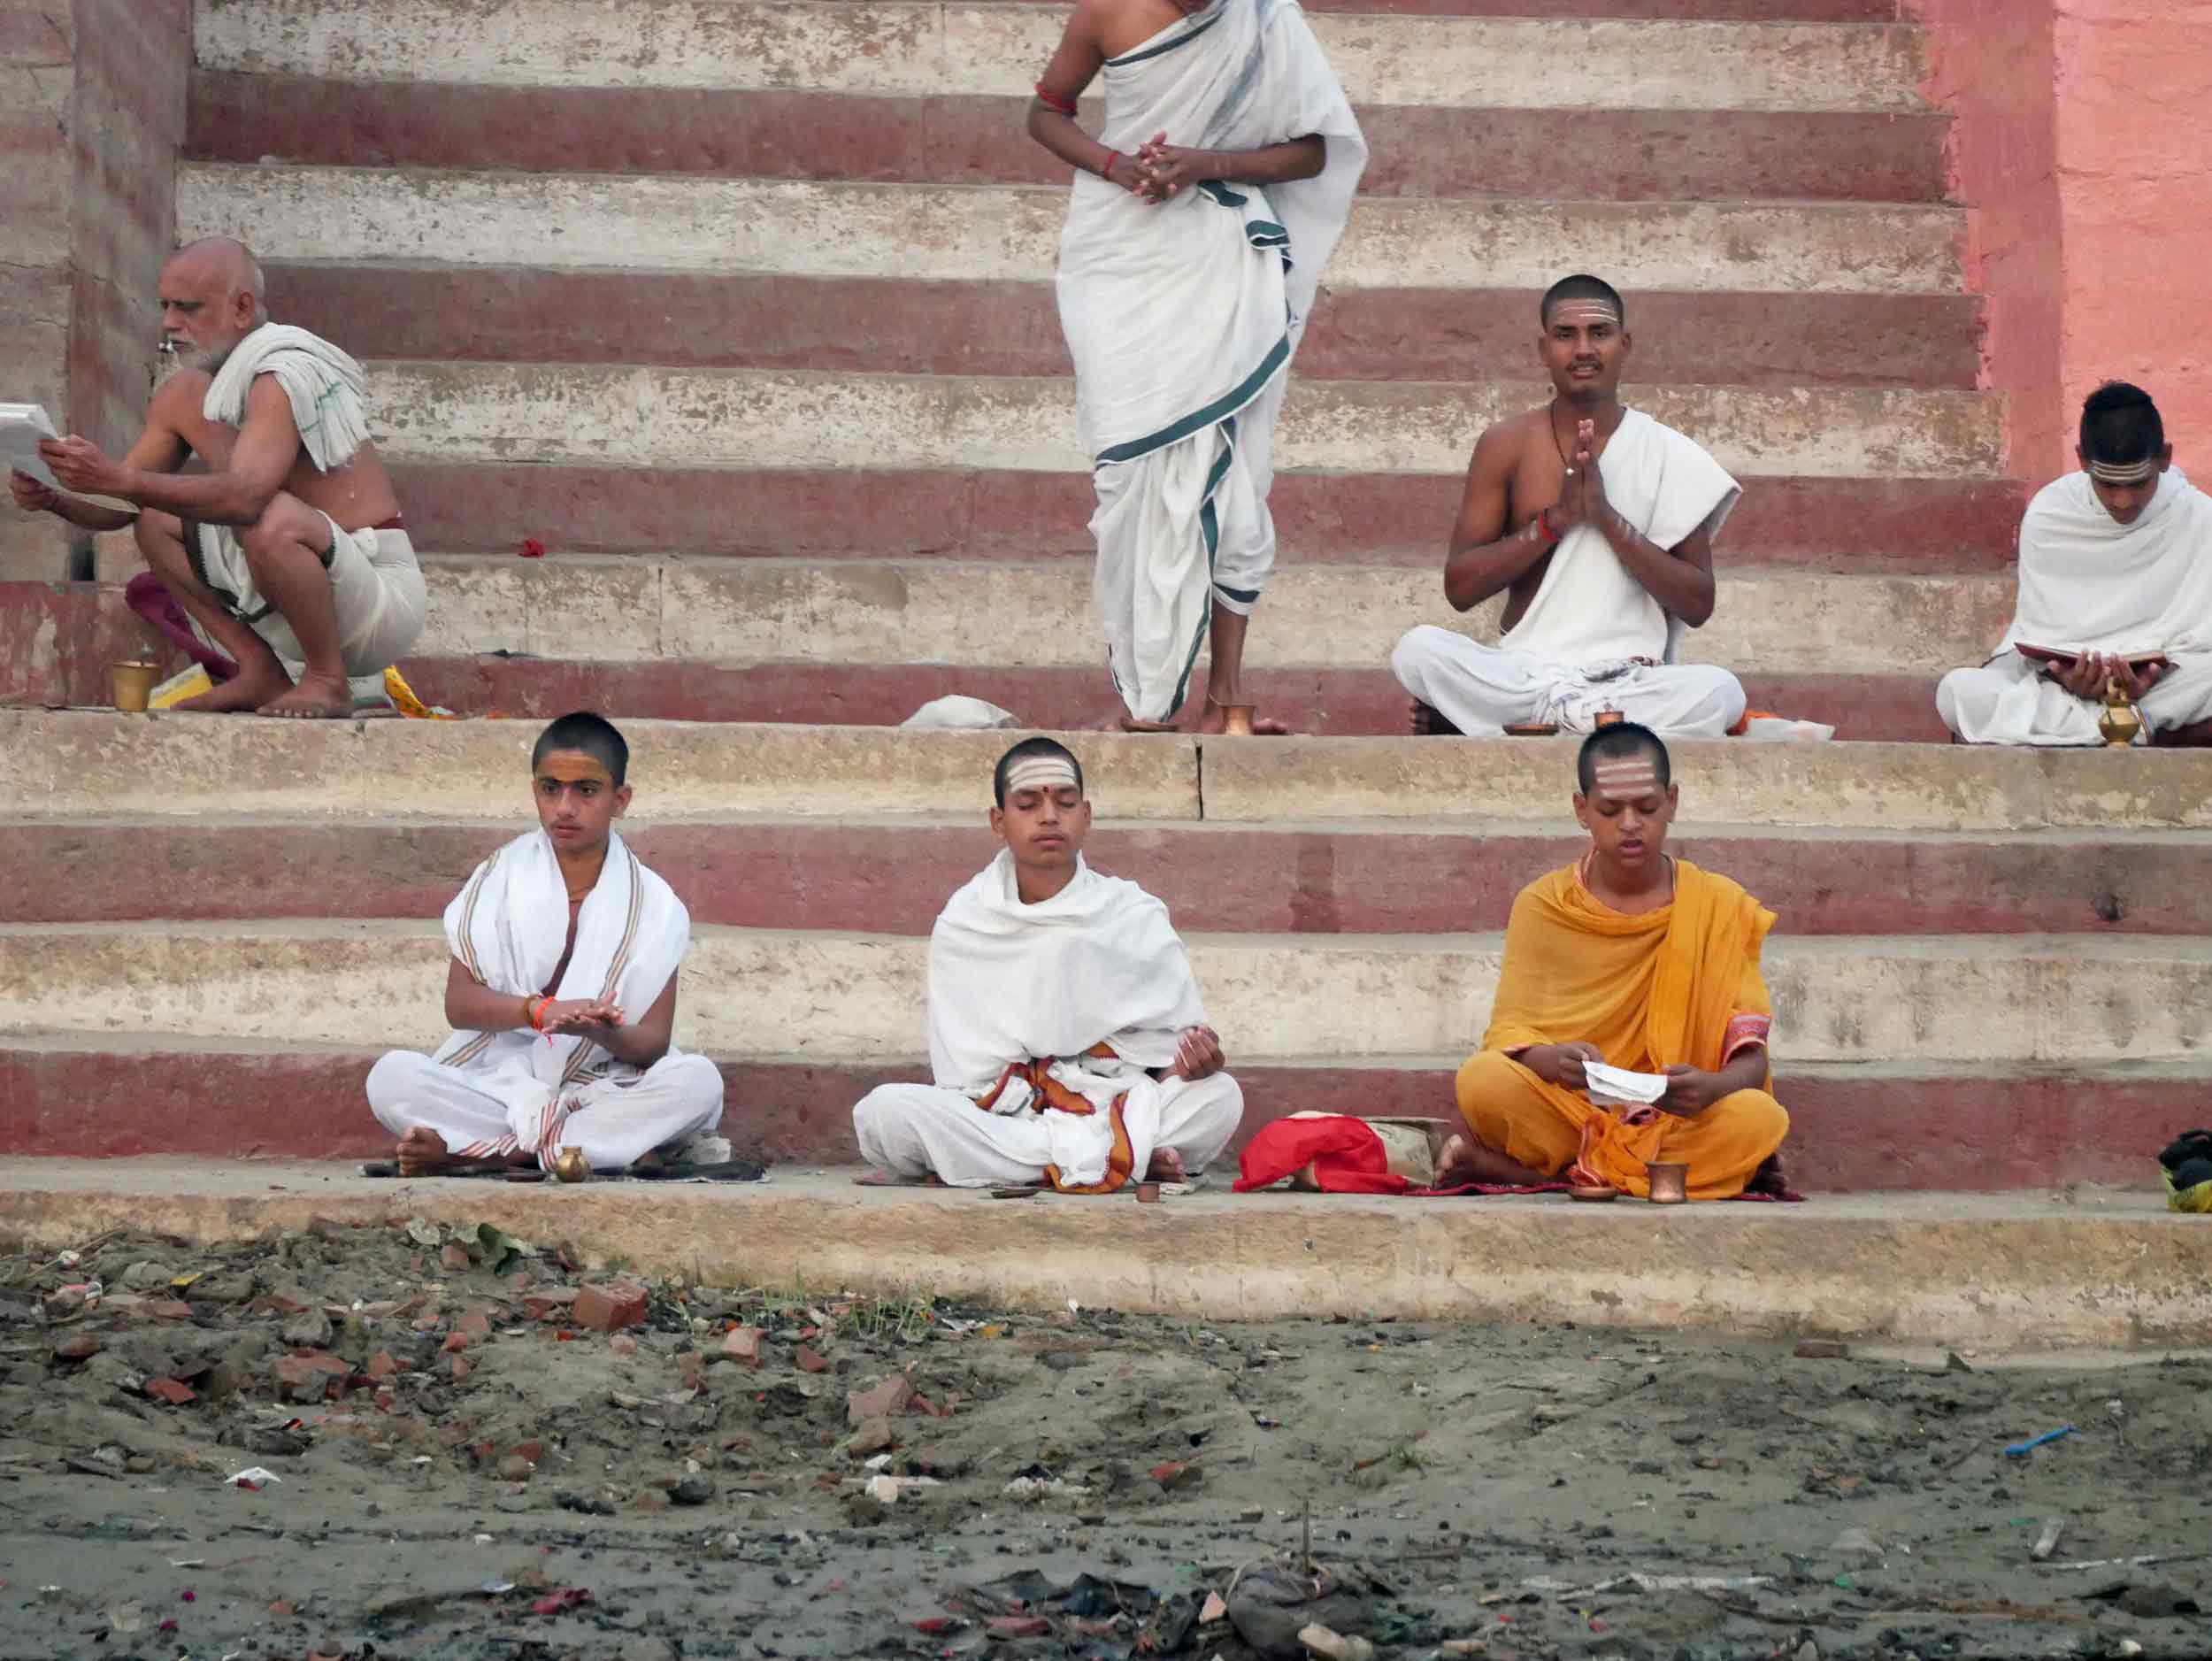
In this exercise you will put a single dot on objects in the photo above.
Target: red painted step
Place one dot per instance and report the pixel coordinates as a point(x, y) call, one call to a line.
point(890, 325)
point(1544, 155)
point(1866, 1132)
point(1866, 526)
point(1334, 702)
point(1227, 879)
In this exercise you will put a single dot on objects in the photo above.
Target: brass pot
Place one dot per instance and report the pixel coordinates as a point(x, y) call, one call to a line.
point(570, 1164)
point(133, 683)
point(1670, 1184)
point(2121, 723)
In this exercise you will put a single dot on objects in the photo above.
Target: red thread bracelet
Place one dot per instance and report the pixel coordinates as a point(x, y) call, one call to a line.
point(1106, 167)
point(1054, 102)
point(1543, 523)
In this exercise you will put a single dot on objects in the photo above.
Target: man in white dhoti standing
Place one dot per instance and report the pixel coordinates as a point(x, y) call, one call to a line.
point(1065, 1033)
point(2115, 592)
point(288, 554)
point(561, 992)
point(1199, 223)
point(1597, 525)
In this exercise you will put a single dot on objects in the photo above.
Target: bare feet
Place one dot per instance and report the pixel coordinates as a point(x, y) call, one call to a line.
point(1215, 721)
point(1166, 1167)
point(1130, 724)
point(316, 697)
point(1429, 722)
point(422, 1153)
point(1769, 1178)
point(239, 692)
point(1462, 1161)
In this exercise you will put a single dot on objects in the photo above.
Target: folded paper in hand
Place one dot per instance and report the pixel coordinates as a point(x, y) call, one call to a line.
point(1617, 1086)
point(21, 426)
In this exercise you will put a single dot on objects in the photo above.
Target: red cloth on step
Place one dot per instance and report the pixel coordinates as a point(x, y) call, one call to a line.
point(1345, 1153)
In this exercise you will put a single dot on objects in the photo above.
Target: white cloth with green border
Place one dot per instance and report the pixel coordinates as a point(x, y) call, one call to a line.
point(1182, 317)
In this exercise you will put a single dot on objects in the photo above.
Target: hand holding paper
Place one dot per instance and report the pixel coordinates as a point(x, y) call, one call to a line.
point(1617, 1086)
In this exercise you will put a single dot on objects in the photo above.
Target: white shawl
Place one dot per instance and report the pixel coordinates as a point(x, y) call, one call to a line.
point(2089, 584)
point(1012, 984)
point(1179, 314)
point(1589, 610)
point(507, 926)
point(323, 383)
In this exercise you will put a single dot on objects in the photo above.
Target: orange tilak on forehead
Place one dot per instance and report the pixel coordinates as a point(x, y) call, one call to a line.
point(573, 766)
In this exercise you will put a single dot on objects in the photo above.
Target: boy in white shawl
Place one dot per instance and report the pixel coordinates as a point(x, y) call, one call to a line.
point(1065, 1032)
point(561, 992)
point(1197, 229)
point(288, 553)
point(1597, 525)
point(2115, 590)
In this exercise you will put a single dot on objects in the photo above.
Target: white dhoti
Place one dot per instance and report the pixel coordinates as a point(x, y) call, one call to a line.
point(1182, 317)
point(488, 1094)
point(2009, 701)
point(615, 1121)
point(2091, 584)
point(916, 1130)
point(1046, 1022)
point(1484, 690)
point(376, 594)
point(1592, 637)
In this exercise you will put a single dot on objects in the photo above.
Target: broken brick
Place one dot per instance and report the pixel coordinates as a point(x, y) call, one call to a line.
point(622, 1345)
point(934, 1624)
point(609, 1306)
point(170, 1391)
point(1004, 1626)
point(809, 1362)
point(309, 1375)
point(891, 1397)
point(1175, 1474)
point(165, 1309)
point(461, 1368)
point(382, 1366)
point(453, 1344)
point(453, 1255)
point(476, 1324)
point(548, 1302)
point(76, 1346)
point(743, 1344)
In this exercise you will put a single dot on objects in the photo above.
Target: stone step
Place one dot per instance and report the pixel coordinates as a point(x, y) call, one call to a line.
point(1851, 1128)
point(893, 875)
point(1581, 154)
point(72, 765)
point(835, 998)
point(1334, 702)
point(594, 415)
point(1980, 1271)
point(447, 312)
point(1862, 525)
point(1007, 233)
point(885, 47)
point(938, 611)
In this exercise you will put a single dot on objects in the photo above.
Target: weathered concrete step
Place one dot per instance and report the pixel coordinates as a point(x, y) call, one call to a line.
point(1574, 154)
point(443, 312)
point(1851, 1128)
point(589, 414)
point(845, 998)
point(1946, 1269)
point(893, 875)
point(1335, 702)
point(969, 233)
point(938, 612)
point(928, 49)
point(64, 764)
point(1862, 525)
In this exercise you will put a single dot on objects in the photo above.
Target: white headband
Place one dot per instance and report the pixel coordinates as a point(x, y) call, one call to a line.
point(2123, 472)
point(1041, 773)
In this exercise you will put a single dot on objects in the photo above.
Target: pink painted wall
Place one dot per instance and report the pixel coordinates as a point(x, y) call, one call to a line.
point(2074, 149)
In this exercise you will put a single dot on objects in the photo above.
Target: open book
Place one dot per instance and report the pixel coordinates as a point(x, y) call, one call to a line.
point(2138, 661)
point(21, 426)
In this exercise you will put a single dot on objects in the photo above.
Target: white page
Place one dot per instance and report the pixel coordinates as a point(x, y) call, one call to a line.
point(21, 426)
point(1617, 1086)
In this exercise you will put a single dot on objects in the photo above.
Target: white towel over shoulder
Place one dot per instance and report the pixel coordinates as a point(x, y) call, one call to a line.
point(1590, 610)
point(323, 383)
point(508, 927)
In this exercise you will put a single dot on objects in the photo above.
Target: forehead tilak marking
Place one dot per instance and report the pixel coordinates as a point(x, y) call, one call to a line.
point(1034, 772)
point(1584, 310)
point(2123, 472)
point(1629, 770)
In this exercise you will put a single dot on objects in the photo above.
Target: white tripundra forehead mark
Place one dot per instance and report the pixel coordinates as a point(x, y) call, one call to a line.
point(1633, 770)
point(1583, 312)
point(2123, 472)
point(1041, 773)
